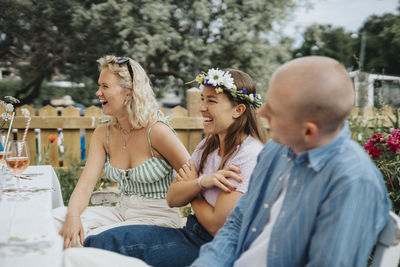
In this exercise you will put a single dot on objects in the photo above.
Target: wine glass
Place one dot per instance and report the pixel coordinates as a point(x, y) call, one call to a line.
point(3, 166)
point(17, 159)
point(2, 163)
point(2, 149)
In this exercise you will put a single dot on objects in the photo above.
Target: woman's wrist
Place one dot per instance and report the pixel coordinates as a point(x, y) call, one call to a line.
point(72, 214)
point(199, 182)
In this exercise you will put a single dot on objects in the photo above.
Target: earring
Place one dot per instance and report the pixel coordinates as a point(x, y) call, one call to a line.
point(126, 102)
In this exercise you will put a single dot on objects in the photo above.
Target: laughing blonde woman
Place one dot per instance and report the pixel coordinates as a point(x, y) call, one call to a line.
point(137, 149)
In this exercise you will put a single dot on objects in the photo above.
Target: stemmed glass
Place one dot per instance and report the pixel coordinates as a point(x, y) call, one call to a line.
point(17, 159)
point(2, 150)
point(2, 163)
point(3, 166)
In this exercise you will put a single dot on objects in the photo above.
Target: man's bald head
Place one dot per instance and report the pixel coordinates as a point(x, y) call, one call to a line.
point(314, 89)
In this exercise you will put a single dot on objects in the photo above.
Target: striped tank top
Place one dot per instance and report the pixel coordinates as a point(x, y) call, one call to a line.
point(150, 179)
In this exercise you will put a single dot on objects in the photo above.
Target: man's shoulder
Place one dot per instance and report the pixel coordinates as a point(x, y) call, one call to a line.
point(353, 165)
point(271, 149)
point(352, 154)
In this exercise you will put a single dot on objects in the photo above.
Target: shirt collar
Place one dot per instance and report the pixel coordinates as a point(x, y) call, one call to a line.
point(319, 156)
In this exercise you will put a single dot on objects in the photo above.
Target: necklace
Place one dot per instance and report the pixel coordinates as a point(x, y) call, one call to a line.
point(126, 132)
point(123, 139)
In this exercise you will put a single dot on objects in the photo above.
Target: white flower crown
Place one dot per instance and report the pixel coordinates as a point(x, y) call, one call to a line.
point(223, 81)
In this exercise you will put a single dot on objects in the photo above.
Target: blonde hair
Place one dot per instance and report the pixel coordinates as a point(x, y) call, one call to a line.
point(143, 105)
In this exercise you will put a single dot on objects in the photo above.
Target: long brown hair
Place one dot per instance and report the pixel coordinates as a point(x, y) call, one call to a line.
point(247, 124)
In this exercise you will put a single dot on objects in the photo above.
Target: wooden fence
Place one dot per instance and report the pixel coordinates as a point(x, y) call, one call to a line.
point(49, 121)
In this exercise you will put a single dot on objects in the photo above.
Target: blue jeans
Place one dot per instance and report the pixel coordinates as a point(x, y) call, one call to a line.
point(157, 246)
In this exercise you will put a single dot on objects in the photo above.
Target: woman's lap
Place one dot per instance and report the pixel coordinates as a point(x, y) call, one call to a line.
point(157, 246)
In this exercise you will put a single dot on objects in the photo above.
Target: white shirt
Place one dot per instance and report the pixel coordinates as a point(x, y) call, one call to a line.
point(256, 255)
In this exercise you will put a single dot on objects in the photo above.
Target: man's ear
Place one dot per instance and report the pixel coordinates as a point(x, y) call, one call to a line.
point(239, 110)
point(311, 131)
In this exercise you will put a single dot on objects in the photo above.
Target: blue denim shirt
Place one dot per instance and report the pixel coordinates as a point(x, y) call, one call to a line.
point(335, 206)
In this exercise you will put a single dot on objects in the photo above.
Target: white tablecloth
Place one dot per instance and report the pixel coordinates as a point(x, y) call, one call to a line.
point(27, 233)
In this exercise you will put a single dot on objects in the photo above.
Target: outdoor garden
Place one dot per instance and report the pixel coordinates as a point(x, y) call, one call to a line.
point(52, 99)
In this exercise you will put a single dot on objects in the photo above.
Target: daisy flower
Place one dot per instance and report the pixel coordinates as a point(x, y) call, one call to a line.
point(215, 76)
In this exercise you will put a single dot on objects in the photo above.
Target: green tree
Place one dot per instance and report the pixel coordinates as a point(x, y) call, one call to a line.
point(172, 39)
point(382, 44)
point(326, 40)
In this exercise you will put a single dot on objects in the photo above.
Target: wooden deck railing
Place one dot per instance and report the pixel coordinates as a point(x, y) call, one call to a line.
point(187, 123)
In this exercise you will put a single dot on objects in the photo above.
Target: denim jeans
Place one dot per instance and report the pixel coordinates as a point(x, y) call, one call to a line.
point(157, 246)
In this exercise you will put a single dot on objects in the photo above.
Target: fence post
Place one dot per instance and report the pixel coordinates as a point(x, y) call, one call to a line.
point(178, 112)
point(72, 137)
point(193, 102)
point(52, 151)
point(95, 114)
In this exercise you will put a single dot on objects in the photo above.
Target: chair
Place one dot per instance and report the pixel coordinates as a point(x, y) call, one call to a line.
point(387, 249)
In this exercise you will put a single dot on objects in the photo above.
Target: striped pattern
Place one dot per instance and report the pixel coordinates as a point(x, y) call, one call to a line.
point(334, 208)
point(151, 179)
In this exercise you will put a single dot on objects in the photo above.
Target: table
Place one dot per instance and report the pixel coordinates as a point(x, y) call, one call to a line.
point(27, 233)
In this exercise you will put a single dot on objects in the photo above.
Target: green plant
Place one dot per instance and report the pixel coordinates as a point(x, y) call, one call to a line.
point(69, 176)
point(382, 142)
point(384, 151)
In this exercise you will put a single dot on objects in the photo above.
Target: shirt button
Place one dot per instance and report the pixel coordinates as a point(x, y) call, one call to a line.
point(253, 229)
point(289, 159)
point(266, 205)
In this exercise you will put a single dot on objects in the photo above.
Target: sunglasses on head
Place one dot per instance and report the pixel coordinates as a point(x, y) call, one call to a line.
point(122, 60)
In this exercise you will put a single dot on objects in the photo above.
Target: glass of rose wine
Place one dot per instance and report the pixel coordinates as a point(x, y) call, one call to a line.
point(17, 160)
point(3, 166)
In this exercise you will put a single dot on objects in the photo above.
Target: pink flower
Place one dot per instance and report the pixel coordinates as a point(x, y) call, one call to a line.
point(373, 150)
point(396, 133)
point(393, 142)
point(378, 138)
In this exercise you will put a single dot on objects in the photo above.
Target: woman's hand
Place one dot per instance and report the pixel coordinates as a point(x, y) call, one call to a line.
point(187, 172)
point(218, 179)
point(71, 230)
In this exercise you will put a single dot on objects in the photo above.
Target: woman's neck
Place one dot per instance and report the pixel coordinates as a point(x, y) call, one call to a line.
point(124, 122)
point(221, 139)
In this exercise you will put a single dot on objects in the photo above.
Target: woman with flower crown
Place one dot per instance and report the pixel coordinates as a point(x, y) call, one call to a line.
point(212, 182)
point(137, 149)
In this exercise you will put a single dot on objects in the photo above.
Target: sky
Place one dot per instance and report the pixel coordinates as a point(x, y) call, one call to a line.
point(349, 14)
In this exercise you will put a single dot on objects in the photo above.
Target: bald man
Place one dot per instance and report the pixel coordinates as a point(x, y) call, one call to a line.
point(315, 197)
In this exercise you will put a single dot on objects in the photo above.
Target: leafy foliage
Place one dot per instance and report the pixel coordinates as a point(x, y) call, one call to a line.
point(326, 40)
point(383, 145)
point(382, 43)
point(172, 39)
point(384, 150)
point(69, 176)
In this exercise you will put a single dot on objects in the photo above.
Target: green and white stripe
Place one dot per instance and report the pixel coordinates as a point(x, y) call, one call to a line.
point(151, 179)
